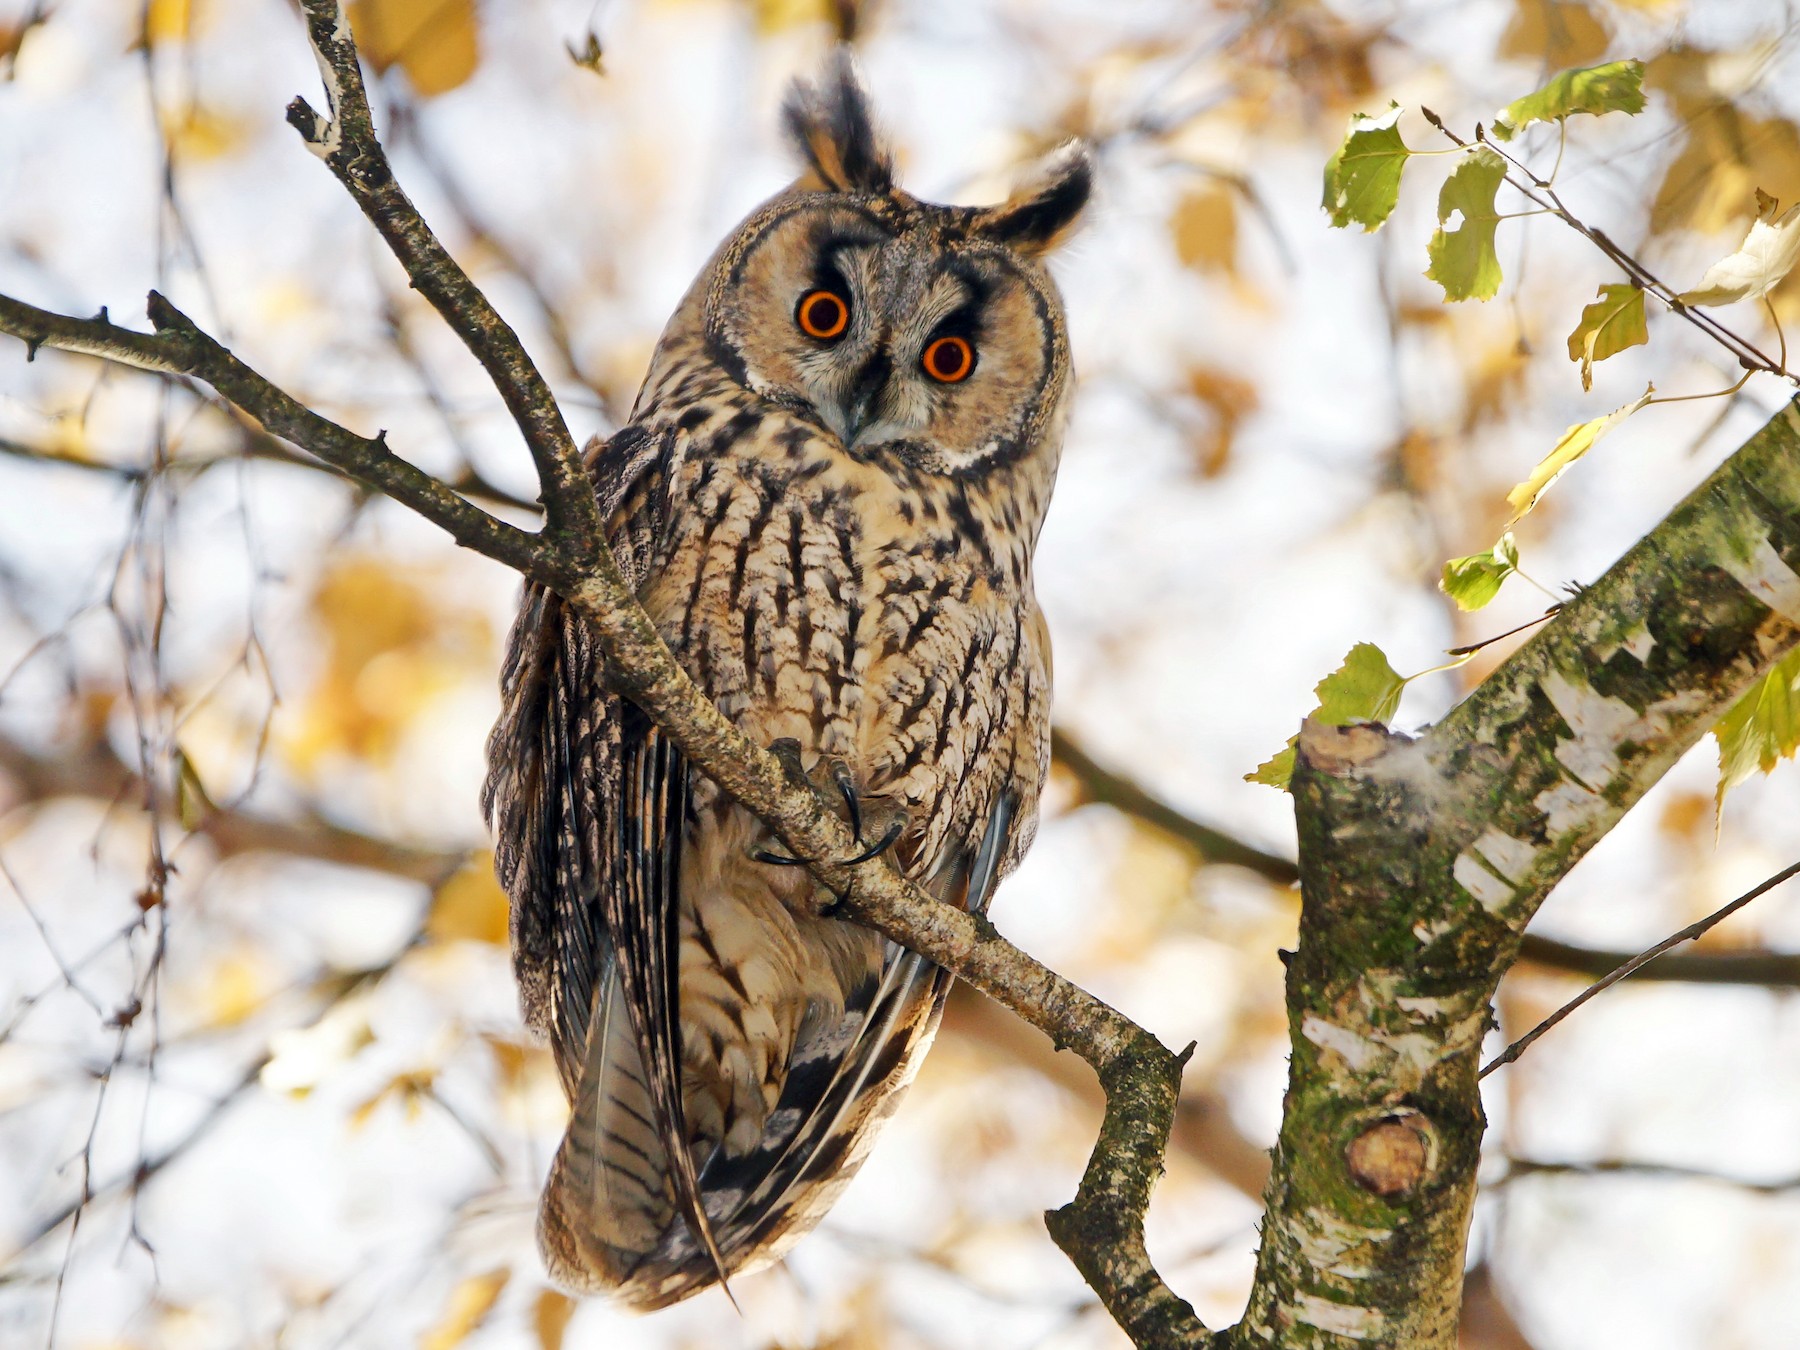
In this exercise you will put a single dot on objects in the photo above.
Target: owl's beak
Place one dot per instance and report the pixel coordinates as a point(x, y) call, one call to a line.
point(860, 404)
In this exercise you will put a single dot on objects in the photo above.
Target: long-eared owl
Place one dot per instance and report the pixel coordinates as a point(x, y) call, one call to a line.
point(827, 498)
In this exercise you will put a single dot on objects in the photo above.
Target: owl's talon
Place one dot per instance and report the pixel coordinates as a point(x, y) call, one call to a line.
point(788, 754)
point(832, 781)
point(889, 838)
point(845, 782)
point(762, 855)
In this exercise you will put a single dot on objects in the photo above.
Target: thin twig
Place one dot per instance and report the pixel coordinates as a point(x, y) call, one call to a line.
point(1693, 930)
point(1625, 1167)
point(346, 142)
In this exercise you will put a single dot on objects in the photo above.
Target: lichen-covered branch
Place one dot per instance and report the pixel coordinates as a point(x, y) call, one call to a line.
point(1421, 862)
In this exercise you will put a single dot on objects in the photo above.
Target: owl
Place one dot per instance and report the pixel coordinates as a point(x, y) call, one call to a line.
point(826, 498)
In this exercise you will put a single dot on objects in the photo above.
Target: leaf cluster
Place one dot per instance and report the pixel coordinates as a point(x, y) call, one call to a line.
point(1362, 185)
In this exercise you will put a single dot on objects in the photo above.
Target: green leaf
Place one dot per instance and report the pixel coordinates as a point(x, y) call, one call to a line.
point(1364, 689)
point(1608, 326)
point(1277, 771)
point(1474, 581)
point(1463, 260)
point(1362, 180)
point(1575, 443)
point(1617, 86)
point(192, 805)
point(1763, 727)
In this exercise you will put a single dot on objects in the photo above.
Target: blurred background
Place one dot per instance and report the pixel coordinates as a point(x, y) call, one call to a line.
point(262, 1078)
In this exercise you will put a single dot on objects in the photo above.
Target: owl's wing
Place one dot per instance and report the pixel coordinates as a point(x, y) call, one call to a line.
point(643, 916)
point(842, 1077)
point(589, 802)
point(554, 751)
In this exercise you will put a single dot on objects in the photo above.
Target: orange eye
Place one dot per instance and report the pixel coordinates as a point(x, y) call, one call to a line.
point(822, 315)
point(949, 359)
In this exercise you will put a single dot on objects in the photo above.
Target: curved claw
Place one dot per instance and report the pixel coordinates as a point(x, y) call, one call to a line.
point(845, 782)
point(762, 855)
point(881, 845)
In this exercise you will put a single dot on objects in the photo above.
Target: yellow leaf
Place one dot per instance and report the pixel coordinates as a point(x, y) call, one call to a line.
point(392, 646)
point(1495, 381)
point(69, 439)
point(410, 1088)
point(192, 805)
point(1711, 185)
point(433, 41)
point(1204, 227)
point(236, 988)
point(470, 1303)
point(550, 1318)
point(1607, 327)
point(772, 16)
point(1229, 399)
point(370, 606)
point(1766, 256)
point(202, 134)
point(168, 20)
point(1575, 443)
point(1560, 33)
point(470, 906)
point(1763, 726)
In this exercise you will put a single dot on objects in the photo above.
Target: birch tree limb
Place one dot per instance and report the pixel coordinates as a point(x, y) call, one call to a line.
point(1421, 861)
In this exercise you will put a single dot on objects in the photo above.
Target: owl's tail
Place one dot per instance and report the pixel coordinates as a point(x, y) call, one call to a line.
point(607, 1204)
point(609, 1222)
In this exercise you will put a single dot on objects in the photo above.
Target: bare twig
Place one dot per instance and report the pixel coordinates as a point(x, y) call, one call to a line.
point(1626, 1167)
point(179, 347)
point(346, 142)
point(1643, 958)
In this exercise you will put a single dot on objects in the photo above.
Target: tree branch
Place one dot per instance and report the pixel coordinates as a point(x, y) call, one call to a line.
point(1774, 970)
point(179, 347)
point(346, 142)
point(1421, 863)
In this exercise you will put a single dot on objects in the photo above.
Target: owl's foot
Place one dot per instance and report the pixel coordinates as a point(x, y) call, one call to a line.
point(831, 780)
point(888, 837)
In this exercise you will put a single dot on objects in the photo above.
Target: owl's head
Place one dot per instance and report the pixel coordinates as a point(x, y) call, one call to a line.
point(924, 334)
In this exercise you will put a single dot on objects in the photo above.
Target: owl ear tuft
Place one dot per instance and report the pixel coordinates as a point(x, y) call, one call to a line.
point(1042, 212)
point(834, 130)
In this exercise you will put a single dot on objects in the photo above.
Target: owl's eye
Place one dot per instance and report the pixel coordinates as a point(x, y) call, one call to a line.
point(823, 315)
point(949, 359)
